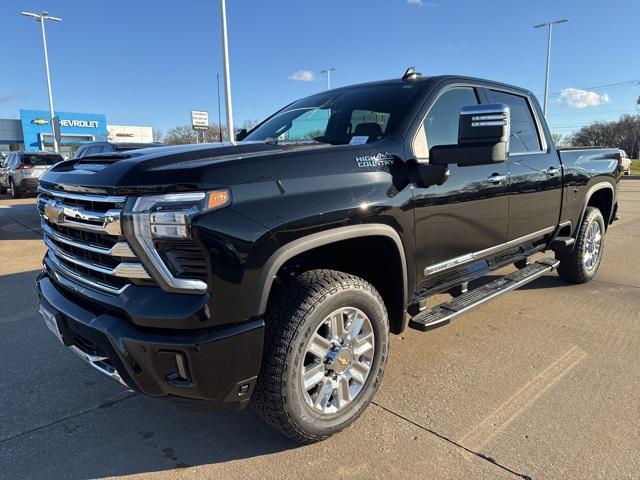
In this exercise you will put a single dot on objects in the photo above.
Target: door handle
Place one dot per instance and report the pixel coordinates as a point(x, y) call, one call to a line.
point(496, 179)
point(553, 171)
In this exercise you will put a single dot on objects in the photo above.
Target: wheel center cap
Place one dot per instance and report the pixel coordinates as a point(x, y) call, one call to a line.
point(339, 361)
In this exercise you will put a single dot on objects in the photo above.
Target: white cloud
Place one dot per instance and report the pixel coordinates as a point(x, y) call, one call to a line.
point(303, 76)
point(576, 98)
point(421, 3)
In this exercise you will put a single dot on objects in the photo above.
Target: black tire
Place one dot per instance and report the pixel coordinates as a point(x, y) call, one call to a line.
point(572, 268)
point(15, 193)
point(3, 190)
point(298, 307)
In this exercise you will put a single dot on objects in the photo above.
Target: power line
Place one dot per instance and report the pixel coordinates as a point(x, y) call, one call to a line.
point(610, 86)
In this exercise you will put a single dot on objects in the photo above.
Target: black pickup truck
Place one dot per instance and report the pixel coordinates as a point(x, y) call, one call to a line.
point(273, 270)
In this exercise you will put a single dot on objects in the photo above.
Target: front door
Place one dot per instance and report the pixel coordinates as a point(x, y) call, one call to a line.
point(535, 177)
point(468, 213)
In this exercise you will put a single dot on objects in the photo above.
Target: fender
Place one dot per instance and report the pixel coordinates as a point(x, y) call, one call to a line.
point(593, 189)
point(304, 244)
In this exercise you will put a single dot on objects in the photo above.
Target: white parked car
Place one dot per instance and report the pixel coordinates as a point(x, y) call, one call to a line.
point(626, 162)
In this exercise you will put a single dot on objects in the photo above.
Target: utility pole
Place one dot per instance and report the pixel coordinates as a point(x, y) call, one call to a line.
point(227, 75)
point(219, 117)
point(328, 71)
point(41, 17)
point(546, 81)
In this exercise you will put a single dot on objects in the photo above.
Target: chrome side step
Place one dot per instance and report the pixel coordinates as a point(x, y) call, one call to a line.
point(445, 312)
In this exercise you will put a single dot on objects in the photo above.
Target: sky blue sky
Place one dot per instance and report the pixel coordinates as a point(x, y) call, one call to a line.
point(150, 62)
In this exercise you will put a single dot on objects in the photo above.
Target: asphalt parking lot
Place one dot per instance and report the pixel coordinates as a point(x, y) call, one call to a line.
point(542, 383)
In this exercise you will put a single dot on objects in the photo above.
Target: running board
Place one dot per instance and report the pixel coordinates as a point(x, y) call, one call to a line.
point(445, 312)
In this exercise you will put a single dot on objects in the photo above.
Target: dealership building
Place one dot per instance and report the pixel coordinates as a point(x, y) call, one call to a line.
point(32, 132)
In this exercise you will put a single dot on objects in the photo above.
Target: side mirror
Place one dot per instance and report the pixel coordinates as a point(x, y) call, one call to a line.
point(483, 138)
point(241, 134)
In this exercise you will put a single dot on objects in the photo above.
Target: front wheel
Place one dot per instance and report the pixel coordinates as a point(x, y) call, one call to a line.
point(581, 264)
point(327, 338)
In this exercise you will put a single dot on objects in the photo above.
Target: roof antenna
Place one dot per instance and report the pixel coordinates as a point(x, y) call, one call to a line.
point(411, 74)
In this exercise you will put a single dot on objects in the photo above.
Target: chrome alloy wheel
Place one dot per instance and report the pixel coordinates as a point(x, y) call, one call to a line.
point(593, 246)
point(337, 360)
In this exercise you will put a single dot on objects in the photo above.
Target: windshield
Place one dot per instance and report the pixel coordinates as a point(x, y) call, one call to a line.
point(41, 159)
point(356, 115)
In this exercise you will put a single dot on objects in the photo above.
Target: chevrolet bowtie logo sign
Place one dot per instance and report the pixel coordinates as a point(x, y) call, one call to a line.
point(40, 121)
point(53, 211)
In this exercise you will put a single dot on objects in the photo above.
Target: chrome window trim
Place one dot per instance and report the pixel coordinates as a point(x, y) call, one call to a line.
point(466, 258)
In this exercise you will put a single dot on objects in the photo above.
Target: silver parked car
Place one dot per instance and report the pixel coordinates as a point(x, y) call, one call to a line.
point(20, 171)
point(626, 162)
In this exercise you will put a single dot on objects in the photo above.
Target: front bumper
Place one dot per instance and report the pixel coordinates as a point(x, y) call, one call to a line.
point(210, 368)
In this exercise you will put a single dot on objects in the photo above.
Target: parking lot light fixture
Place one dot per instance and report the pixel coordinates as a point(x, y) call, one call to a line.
point(546, 81)
point(328, 71)
point(41, 17)
point(227, 74)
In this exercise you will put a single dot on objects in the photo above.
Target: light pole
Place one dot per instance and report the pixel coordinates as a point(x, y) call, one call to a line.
point(546, 80)
point(227, 75)
point(328, 71)
point(41, 17)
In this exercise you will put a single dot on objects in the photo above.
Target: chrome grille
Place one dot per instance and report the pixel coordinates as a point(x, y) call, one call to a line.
point(85, 241)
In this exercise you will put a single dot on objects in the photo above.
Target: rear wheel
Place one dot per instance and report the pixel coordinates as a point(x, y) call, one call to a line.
point(13, 191)
point(581, 264)
point(325, 351)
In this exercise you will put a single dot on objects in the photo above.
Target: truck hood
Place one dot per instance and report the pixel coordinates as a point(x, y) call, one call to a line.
point(178, 168)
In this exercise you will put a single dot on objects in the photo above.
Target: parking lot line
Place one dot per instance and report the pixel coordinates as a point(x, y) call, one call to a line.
point(506, 413)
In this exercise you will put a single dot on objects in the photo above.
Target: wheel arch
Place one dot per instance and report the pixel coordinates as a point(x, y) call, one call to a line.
point(336, 237)
point(602, 196)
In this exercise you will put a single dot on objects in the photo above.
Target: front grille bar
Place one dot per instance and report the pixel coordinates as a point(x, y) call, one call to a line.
point(82, 197)
point(77, 217)
point(63, 273)
point(120, 249)
point(124, 269)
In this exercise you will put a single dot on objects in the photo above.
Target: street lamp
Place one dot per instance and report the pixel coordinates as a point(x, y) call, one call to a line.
point(227, 75)
point(328, 71)
point(41, 17)
point(546, 81)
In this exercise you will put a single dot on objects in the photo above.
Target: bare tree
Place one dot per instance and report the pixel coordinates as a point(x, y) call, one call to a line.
point(184, 134)
point(157, 135)
point(250, 123)
point(623, 133)
point(558, 139)
point(180, 135)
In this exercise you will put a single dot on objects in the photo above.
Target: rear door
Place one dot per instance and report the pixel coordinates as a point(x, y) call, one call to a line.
point(535, 172)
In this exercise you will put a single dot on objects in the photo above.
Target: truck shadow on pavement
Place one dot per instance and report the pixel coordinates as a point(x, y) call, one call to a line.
point(62, 419)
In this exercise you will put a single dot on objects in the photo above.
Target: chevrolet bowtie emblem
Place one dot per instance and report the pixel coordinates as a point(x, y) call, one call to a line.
point(40, 121)
point(53, 211)
point(342, 361)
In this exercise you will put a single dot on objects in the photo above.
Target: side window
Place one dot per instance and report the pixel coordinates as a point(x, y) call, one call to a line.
point(524, 133)
point(442, 121)
point(440, 126)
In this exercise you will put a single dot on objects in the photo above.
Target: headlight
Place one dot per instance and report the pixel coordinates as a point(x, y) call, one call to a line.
point(168, 217)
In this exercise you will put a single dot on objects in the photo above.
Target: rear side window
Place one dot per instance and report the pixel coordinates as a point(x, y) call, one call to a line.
point(524, 134)
point(36, 160)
